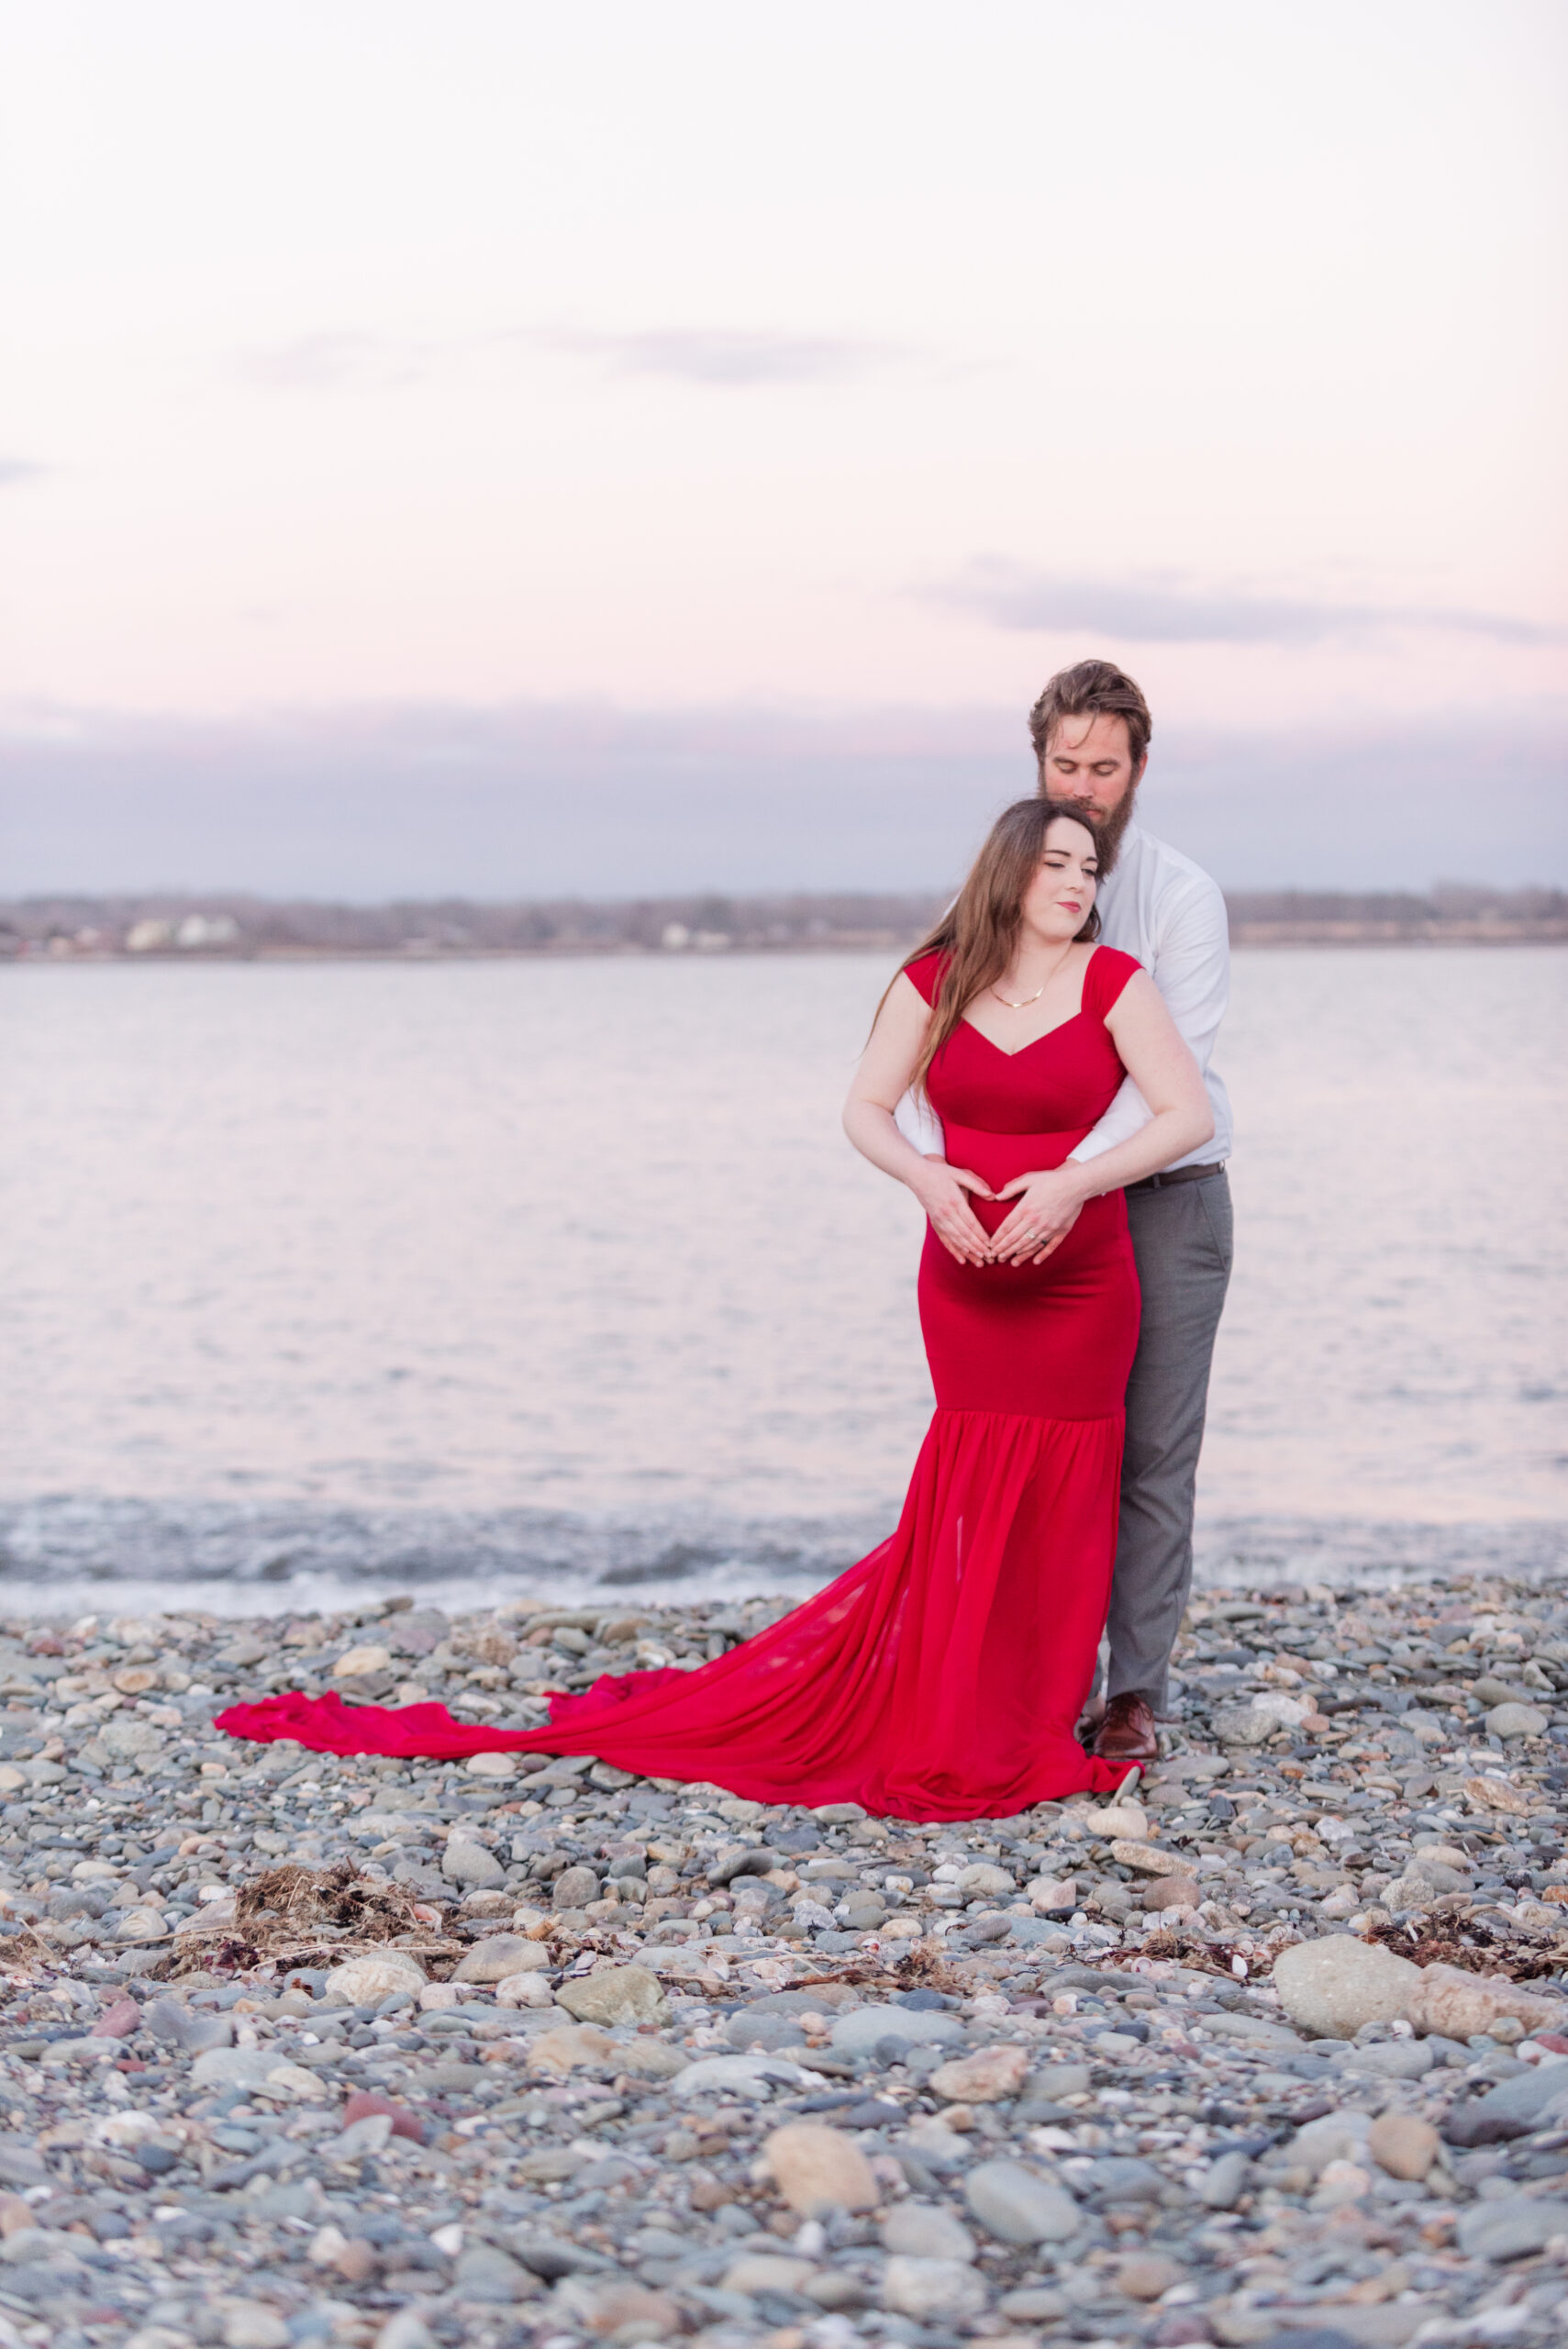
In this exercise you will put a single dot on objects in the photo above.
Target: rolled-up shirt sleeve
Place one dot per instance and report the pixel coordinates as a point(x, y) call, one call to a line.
point(918, 1123)
point(1191, 967)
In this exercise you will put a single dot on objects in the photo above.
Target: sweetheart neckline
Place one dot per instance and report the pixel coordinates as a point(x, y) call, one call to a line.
point(966, 1022)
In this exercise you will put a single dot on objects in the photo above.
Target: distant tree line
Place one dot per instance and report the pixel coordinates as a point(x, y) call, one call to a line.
point(220, 925)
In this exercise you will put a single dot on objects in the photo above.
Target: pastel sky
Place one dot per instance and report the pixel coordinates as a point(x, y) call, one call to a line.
point(381, 378)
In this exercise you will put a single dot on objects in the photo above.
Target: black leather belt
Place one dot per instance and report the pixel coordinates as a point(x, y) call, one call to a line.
point(1178, 1174)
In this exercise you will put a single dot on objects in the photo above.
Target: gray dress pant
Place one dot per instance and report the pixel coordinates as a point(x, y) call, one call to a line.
point(1182, 1239)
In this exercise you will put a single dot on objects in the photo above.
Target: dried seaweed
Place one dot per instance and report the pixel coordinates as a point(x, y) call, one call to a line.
point(1440, 1941)
point(1203, 1957)
point(299, 1916)
point(298, 1900)
point(921, 1969)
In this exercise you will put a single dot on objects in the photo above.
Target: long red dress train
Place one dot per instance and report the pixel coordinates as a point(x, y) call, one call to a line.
point(941, 1677)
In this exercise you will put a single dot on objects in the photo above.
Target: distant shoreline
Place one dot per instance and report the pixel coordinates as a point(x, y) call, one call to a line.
point(225, 927)
point(410, 958)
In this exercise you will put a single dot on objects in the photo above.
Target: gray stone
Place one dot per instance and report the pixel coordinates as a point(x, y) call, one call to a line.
point(1034, 2304)
point(168, 2020)
point(1225, 2181)
point(1123, 2177)
point(1017, 2205)
point(1239, 1725)
point(1336, 2137)
point(1510, 2228)
point(574, 1888)
point(405, 2329)
point(857, 2033)
point(1532, 2100)
point(615, 1994)
point(926, 2230)
point(243, 2067)
point(1393, 2059)
point(1253, 2031)
point(499, 1955)
point(749, 1859)
point(473, 1867)
point(1518, 1721)
point(485, 2272)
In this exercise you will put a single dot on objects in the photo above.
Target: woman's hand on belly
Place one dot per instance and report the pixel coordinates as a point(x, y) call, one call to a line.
point(1048, 1205)
point(943, 1191)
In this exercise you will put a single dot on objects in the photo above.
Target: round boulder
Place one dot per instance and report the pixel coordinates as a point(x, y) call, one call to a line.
point(1333, 1986)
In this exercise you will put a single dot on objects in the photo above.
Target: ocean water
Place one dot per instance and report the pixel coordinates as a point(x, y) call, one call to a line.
point(559, 1276)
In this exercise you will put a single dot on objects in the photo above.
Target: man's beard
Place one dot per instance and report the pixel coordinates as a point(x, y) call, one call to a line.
point(1110, 825)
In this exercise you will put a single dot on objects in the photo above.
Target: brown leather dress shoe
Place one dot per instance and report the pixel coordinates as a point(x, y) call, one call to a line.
point(1128, 1732)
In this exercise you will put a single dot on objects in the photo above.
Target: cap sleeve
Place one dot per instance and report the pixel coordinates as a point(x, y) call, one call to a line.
point(927, 974)
point(1109, 972)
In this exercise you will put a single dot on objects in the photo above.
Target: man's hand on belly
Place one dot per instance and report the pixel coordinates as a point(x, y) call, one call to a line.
point(1048, 1205)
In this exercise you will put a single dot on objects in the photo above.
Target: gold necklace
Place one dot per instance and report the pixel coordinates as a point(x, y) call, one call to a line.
point(1039, 990)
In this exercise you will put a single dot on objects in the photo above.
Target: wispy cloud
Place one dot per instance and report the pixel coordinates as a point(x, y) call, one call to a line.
point(1165, 609)
point(16, 469)
point(702, 355)
point(349, 359)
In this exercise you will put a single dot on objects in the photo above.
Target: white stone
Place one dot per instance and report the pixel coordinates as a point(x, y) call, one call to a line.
point(1128, 1819)
point(933, 2288)
point(142, 1925)
point(1053, 1895)
point(857, 2033)
point(1242, 1725)
point(1286, 1712)
point(500, 1954)
point(357, 1663)
point(1333, 1986)
point(379, 1973)
point(925, 2231)
point(238, 2068)
point(246, 2324)
point(1148, 1858)
point(748, 2076)
point(524, 1990)
point(984, 1880)
point(306, 2086)
point(491, 1766)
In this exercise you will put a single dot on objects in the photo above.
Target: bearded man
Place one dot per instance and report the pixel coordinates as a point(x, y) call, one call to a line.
point(1091, 730)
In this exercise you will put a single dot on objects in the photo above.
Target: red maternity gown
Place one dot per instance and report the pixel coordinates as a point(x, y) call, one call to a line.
point(941, 1677)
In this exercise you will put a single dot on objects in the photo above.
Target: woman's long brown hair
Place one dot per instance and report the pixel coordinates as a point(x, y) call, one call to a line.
point(980, 929)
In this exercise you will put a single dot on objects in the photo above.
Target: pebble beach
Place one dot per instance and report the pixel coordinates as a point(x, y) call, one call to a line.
point(299, 2049)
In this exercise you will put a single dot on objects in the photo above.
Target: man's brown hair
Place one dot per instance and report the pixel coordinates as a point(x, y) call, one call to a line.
point(1092, 689)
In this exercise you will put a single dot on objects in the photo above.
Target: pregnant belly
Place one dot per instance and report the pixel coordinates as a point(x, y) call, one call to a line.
point(1055, 1339)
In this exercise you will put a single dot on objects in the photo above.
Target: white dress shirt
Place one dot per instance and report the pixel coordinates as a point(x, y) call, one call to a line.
point(1165, 909)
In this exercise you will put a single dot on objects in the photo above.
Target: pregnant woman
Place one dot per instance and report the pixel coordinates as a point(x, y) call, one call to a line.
point(942, 1676)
